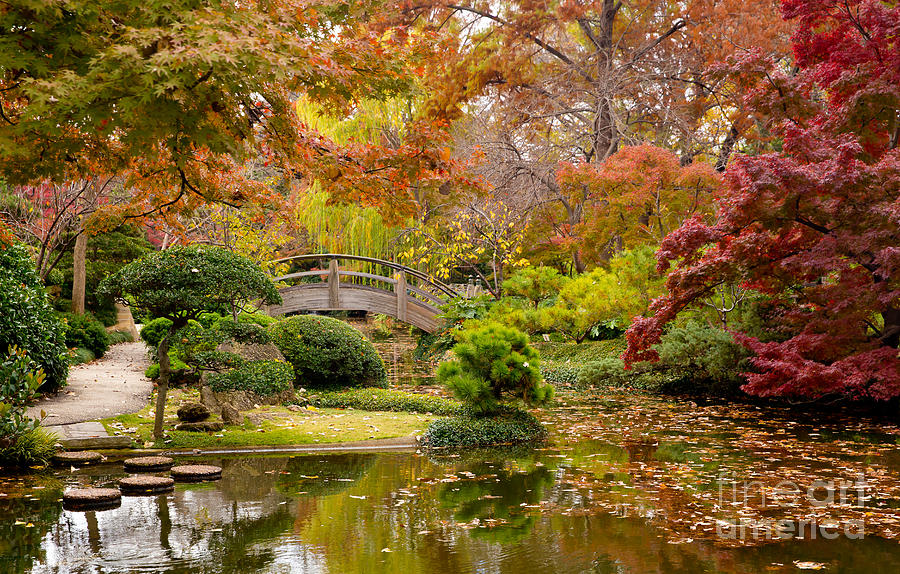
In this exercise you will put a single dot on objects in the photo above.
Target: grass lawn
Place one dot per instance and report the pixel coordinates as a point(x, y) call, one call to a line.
point(277, 425)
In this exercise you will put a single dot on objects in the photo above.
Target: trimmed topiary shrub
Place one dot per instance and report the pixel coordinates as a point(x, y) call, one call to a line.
point(153, 332)
point(265, 378)
point(386, 400)
point(494, 364)
point(510, 427)
point(86, 332)
point(328, 352)
point(26, 318)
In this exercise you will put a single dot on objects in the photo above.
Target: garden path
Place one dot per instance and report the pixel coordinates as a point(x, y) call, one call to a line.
point(112, 385)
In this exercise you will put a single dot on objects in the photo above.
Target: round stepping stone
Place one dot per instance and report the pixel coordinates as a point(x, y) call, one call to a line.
point(92, 499)
point(196, 472)
point(148, 464)
point(146, 484)
point(77, 457)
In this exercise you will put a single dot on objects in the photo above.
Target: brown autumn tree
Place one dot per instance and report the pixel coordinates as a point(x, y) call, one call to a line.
point(571, 81)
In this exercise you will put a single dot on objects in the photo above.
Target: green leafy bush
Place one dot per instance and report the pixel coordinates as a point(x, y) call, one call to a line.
point(152, 372)
point(494, 364)
point(153, 332)
point(708, 357)
point(86, 332)
point(34, 447)
point(328, 352)
point(117, 337)
point(264, 378)
point(26, 318)
point(20, 379)
point(80, 355)
point(387, 400)
point(511, 427)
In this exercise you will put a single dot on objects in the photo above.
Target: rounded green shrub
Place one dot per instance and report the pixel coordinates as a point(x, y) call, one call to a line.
point(265, 378)
point(510, 427)
point(86, 332)
point(153, 332)
point(328, 352)
point(26, 318)
point(494, 364)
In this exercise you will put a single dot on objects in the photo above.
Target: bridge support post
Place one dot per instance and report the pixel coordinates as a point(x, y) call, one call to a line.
point(334, 285)
point(401, 296)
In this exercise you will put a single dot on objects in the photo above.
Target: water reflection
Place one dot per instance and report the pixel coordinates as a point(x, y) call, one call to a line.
point(485, 511)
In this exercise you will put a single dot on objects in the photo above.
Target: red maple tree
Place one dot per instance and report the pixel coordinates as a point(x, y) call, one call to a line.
point(817, 225)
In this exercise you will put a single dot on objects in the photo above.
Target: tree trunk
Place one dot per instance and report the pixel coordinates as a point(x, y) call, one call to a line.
point(79, 273)
point(162, 386)
point(890, 335)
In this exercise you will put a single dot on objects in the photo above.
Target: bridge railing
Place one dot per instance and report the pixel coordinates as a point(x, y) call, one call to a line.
point(402, 279)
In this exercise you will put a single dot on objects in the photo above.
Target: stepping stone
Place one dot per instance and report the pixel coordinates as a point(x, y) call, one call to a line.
point(148, 464)
point(202, 426)
point(92, 499)
point(196, 473)
point(146, 484)
point(77, 457)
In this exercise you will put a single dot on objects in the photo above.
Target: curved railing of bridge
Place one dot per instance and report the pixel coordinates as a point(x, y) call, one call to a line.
point(407, 294)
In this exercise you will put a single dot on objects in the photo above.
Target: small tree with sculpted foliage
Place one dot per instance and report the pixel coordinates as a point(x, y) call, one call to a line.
point(182, 283)
point(494, 364)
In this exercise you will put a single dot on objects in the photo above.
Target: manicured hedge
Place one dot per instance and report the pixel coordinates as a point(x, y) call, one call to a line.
point(326, 352)
point(387, 400)
point(510, 428)
point(264, 378)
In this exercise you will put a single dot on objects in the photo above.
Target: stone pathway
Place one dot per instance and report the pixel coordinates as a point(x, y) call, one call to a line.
point(110, 386)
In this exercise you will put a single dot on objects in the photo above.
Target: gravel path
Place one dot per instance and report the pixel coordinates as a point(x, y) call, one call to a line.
point(110, 386)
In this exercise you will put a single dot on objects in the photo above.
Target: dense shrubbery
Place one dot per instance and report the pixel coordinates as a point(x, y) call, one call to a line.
point(387, 400)
point(328, 352)
point(494, 364)
point(508, 428)
point(86, 332)
point(26, 318)
point(21, 442)
point(34, 447)
point(264, 378)
point(116, 337)
point(694, 359)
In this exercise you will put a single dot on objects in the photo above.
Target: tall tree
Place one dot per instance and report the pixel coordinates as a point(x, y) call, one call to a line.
point(571, 80)
point(816, 226)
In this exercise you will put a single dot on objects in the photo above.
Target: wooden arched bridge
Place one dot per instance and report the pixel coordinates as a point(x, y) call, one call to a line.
point(407, 294)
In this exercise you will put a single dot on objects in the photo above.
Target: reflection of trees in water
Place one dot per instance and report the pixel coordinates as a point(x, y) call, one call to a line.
point(20, 545)
point(250, 478)
point(498, 494)
point(324, 475)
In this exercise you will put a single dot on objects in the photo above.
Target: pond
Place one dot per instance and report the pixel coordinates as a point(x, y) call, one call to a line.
point(629, 484)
